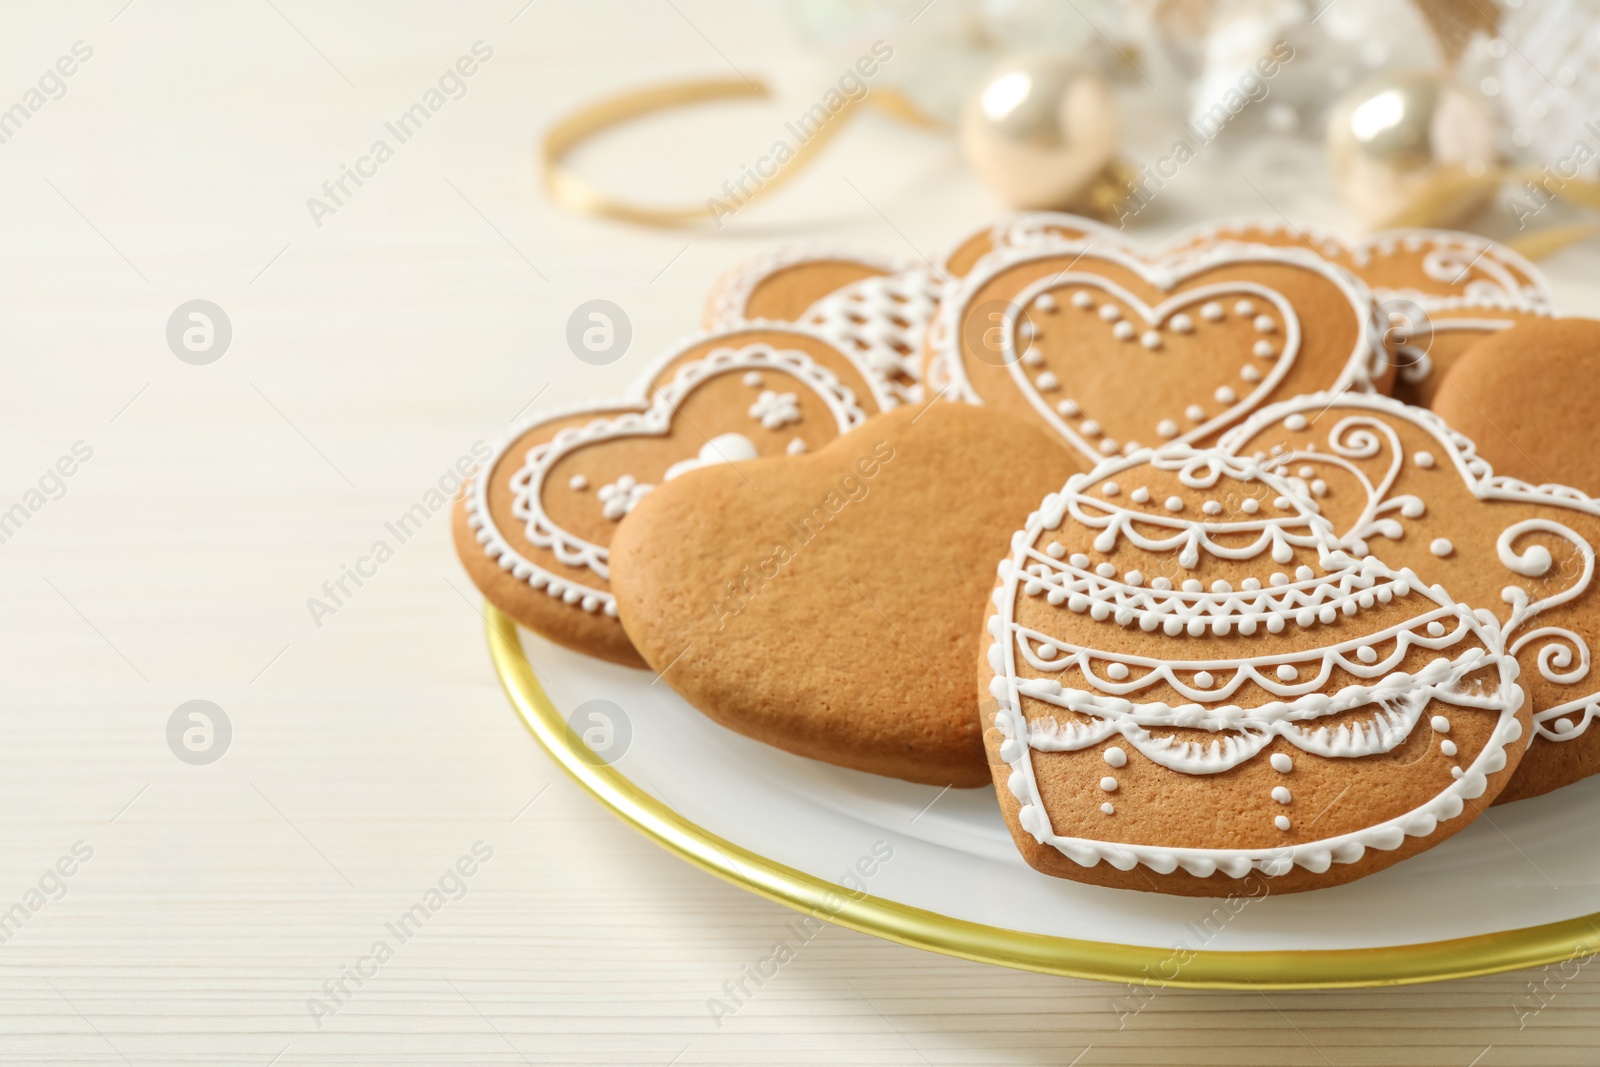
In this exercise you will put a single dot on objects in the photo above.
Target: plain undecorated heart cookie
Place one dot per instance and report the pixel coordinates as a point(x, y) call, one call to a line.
point(1529, 397)
point(1112, 352)
point(829, 604)
point(534, 528)
point(876, 307)
point(1195, 687)
point(1399, 482)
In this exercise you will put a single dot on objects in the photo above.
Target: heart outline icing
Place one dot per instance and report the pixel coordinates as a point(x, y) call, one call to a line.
point(1562, 656)
point(1168, 312)
point(946, 374)
point(1390, 699)
point(627, 418)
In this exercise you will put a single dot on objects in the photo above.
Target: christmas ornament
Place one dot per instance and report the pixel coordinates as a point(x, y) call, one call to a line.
point(1040, 129)
point(1407, 142)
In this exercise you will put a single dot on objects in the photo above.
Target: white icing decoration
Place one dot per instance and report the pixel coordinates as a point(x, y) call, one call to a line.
point(1109, 784)
point(1281, 762)
point(1244, 308)
point(1281, 795)
point(577, 483)
point(753, 379)
point(950, 338)
point(1067, 408)
point(776, 410)
point(883, 321)
point(796, 447)
point(1151, 339)
point(1440, 724)
point(1363, 434)
point(723, 448)
point(621, 496)
point(1447, 747)
point(1122, 331)
point(1281, 822)
point(1109, 808)
point(1085, 706)
point(632, 417)
point(1441, 546)
point(1116, 757)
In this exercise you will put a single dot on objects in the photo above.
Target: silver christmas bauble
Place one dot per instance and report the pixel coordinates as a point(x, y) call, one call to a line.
point(1406, 138)
point(1040, 128)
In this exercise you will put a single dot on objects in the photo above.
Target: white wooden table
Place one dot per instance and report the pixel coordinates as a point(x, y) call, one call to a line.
point(370, 752)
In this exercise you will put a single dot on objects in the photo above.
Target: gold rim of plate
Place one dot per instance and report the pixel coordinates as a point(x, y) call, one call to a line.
point(1507, 950)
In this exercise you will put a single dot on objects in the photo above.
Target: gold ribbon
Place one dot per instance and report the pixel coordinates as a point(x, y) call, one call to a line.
point(579, 195)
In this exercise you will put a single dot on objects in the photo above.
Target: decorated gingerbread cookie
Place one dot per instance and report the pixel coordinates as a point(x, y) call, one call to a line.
point(1529, 396)
point(1112, 352)
point(829, 603)
point(1422, 264)
point(876, 307)
point(535, 527)
point(1025, 229)
point(1193, 686)
point(1399, 482)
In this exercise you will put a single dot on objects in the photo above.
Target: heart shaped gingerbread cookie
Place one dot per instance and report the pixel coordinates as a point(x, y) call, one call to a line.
point(829, 603)
point(1399, 482)
point(1112, 352)
point(1194, 686)
point(876, 307)
point(534, 528)
point(1529, 396)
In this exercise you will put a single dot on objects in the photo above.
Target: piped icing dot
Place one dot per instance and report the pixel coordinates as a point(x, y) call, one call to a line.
point(1563, 726)
point(1244, 307)
point(1281, 503)
point(1287, 672)
point(1303, 573)
point(1109, 808)
point(1367, 654)
point(1306, 471)
point(1441, 547)
point(1281, 794)
point(1123, 331)
point(1455, 772)
point(1250, 374)
point(1413, 508)
point(796, 447)
point(1107, 447)
point(1295, 423)
point(1167, 428)
point(1319, 488)
point(1046, 302)
point(1423, 459)
point(1203, 680)
point(1106, 570)
point(1225, 395)
point(1193, 585)
point(1033, 357)
point(1116, 757)
point(1195, 412)
point(1250, 505)
point(1133, 578)
point(1111, 489)
point(1282, 822)
point(1046, 380)
point(577, 483)
point(1182, 323)
point(1436, 628)
point(1160, 583)
point(1150, 339)
point(1117, 671)
point(1056, 549)
point(753, 379)
point(1082, 299)
point(1440, 724)
point(1025, 330)
point(1141, 495)
point(1089, 428)
point(1265, 350)
point(1282, 763)
point(1211, 311)
point(1174, 503)
point(1448, 747)
point(1079, 560)
point(1110, 312)
point(1109, 784)
point(1211, 507)
point(1265, 324)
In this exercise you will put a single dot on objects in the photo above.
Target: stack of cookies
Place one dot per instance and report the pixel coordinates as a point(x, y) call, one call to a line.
point(1266, 551)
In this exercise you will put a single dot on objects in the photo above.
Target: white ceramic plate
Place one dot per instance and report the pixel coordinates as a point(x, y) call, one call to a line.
point(935, 868)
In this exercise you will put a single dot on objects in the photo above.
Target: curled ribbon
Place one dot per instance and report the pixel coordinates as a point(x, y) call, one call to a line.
point(579, 195)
